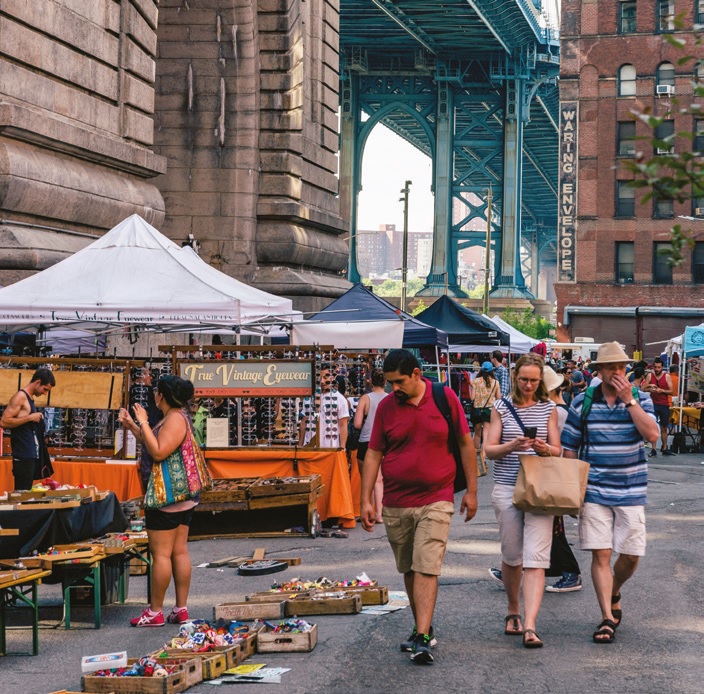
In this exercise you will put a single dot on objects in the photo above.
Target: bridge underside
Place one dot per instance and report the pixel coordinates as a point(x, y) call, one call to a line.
point(473, 86)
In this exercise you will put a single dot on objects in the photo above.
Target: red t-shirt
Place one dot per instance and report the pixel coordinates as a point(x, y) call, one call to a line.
point(417, 467)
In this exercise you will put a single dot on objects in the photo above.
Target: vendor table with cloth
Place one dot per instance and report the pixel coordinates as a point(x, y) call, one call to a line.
point(331, 465)
point(43, 528)
point(120, 478)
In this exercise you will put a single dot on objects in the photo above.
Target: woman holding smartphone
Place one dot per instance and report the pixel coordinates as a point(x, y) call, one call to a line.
point(523, 423)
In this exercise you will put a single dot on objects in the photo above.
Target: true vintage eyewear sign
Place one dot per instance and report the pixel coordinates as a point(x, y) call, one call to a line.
point(264, 379)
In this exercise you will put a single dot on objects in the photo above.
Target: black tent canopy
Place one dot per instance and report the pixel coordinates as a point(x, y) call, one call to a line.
point(464, 326)
point(360, 304)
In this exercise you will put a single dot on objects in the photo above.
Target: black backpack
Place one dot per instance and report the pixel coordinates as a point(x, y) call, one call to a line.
point(440, 398)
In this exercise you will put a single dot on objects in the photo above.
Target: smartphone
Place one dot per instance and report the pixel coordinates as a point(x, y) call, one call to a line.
point(531, 432)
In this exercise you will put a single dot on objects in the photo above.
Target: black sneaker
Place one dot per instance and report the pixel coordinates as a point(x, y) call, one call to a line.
point(407, 646)
point(668, 451)
point(420, 653)
point(653, 454)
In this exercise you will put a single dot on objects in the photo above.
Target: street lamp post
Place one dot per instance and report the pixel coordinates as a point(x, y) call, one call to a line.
point(488, 252)
point(404, 265)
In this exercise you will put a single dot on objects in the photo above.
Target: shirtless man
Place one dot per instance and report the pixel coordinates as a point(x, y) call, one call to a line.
point(25, 424)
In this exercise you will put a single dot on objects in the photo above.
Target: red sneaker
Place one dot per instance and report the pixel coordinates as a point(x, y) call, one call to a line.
point(178, 616)
point(146, 619)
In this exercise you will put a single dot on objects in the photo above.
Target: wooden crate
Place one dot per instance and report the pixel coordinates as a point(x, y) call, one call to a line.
point(270, 642)
point(306, 606)
point(137, 567)
point(69, 552)
point(371, 595)
point(274, 608)
point(214, 662)
point(286, 499)
point(248, 644)
point(228, 490)
point(273, 596)
point(219, 506)
point(187, 674)
point(276, 486)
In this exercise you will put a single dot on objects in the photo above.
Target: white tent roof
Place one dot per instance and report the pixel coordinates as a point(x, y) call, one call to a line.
point(135, 275)
point(520, 343)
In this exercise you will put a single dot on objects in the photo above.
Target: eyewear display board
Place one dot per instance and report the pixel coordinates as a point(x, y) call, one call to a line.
point(250, 378)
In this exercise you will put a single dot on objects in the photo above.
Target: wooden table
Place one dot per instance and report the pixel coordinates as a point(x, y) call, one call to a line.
point(24, 589)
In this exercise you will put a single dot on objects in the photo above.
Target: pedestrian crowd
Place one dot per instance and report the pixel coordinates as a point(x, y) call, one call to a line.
point(420, 443)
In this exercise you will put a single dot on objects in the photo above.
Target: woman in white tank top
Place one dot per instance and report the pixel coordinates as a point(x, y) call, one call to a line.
point(364, 420)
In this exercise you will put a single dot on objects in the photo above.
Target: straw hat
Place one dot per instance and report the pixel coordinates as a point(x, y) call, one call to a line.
point(611, 353)
point(551, 379)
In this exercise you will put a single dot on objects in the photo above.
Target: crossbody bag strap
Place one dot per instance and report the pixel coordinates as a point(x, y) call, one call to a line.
point(488, 397)
point(512, 410)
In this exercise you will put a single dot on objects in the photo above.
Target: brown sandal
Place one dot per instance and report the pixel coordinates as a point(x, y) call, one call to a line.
point(535, 642)
point(515, 619)
point(618, 614)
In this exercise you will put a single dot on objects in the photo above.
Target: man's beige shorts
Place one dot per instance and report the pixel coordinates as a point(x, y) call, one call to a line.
point(418, 536)
point(620, 528)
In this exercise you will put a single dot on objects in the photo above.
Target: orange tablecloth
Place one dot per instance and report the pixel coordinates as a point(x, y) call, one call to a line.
point(121, 478)
point(331, 465)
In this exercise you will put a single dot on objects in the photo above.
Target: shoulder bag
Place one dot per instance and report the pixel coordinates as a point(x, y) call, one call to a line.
point(181, 476)
point(549, 485)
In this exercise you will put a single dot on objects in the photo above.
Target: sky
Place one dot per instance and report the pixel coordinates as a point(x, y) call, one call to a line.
point(388, 162)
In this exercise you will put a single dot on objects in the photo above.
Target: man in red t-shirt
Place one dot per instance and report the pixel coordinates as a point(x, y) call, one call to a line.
point(409, 441)
point(659, 385)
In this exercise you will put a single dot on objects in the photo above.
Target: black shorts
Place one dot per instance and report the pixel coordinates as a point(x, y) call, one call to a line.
point(362, 450)
point(662, 414)
point(156, 519)
point(23, 472)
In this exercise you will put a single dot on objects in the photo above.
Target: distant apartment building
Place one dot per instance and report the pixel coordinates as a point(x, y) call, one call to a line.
point(614, 281)
point(380, 252)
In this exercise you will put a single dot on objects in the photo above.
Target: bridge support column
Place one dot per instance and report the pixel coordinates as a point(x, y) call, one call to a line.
point(509, 282)
point(350, 166)
point(443, 270)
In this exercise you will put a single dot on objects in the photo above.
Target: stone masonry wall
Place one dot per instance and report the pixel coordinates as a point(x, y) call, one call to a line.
point(76, 100)
point(246, 114)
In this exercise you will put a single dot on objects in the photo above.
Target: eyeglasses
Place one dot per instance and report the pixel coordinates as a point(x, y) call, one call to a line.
point(531, 381)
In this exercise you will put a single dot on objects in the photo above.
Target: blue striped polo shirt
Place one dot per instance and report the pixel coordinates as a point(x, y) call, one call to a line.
point(618, 475)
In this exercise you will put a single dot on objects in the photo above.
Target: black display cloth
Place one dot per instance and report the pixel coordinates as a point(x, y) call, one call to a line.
point(45, 528)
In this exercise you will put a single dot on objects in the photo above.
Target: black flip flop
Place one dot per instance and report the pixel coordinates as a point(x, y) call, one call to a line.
point(515, 619)
point(535, 643)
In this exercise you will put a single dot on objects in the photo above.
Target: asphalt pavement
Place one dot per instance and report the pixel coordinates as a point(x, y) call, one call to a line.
point(658, 647)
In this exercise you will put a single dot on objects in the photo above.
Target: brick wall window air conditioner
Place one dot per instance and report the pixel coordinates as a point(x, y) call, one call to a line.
point(665, 89)
point(699, 211)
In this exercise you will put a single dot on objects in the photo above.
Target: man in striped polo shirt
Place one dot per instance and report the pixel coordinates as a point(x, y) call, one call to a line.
point(610, 437)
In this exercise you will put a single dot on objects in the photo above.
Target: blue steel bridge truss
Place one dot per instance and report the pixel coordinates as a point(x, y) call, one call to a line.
point(473, 85)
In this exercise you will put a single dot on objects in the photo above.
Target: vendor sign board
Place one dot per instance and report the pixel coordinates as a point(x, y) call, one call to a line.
point(253, 378)
point(73, 389)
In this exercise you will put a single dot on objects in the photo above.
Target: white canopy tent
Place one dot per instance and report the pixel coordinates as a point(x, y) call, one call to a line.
point(387, 334)
point(134, 275)
point(520, 342)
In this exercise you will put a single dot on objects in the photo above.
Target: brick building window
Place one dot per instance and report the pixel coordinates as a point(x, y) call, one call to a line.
point(625, 256)
point(625, 199)
point(666, 15)
point(699, 13)
point(662, 270)
point(698, 207)
point(627, 17)
point(698, 263)
point(665, 136)
point(699, 135)
point(626, 145)
point(663, 208)
point(665, 79)
point(627, 80)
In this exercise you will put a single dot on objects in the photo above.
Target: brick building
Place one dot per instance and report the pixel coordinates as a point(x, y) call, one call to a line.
point(613, 282)
point(380, 252)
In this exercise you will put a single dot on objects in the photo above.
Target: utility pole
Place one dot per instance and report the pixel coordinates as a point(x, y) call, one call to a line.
point(404, 264)
point(488, 252)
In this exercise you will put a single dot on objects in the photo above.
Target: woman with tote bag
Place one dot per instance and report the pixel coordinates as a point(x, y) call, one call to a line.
point(523, 423)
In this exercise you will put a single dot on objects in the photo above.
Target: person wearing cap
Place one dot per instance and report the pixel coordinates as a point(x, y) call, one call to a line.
point(612, 519)
point(486, 389)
